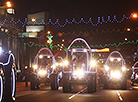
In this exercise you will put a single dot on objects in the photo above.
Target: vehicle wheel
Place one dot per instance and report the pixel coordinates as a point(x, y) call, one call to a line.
point(124, 83)
point(32, 85)
point(95, 82)
point(34, 82)
point(105, 83)
point(37, 85)
point(54, 81)
point(2, 81)
point(91, 83)
point(66, 84)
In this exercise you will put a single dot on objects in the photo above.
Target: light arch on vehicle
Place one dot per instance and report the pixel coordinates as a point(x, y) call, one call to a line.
point(42, 49)
point(79, 39)
point(117, 53)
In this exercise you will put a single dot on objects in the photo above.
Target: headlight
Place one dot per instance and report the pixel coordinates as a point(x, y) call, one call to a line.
point(57, 64)
point(93, 63)
point(85, 50)
point(35, 66)
point(111, 59)
point(42, 72)
point(115, 74)
point(106, 68)
point(118, 59)
point(61, 64)
point(40, 56)
point(74, 50)
point(66, 63)
point(78, 73)
point(123, 68)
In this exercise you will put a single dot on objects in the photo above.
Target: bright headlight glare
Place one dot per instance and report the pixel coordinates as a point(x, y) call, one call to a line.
point(57, 64)
point(48, 56)
point(78, 73)
point(61, 64)
point(40, 56)
point(106, 68)
point(66, 62)
point(111, 59)
point(35, 66)
point(115, 74)
point(42, 72)
point(118, 59)
point(73, 50)
point(85, 50)
point(123, 68)
point(93, 63)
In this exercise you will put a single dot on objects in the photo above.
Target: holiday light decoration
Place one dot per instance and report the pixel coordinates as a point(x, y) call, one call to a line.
point(100, 20)
point(87, 33)
point(92, 46)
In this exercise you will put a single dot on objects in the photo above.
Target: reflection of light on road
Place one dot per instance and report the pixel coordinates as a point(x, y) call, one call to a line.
point(121, 99)
point(77, 93)
point(136, 87)
point(60, 88)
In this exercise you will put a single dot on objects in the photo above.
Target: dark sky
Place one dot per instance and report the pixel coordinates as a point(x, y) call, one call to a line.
point(76, 8)
point(63, 9)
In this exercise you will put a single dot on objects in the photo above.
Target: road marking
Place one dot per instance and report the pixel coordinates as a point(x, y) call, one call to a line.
point(72, 96)
point(121, 99)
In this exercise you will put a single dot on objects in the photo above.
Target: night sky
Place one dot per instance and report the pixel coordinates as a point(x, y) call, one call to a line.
point(69, 9)
point(76, 8)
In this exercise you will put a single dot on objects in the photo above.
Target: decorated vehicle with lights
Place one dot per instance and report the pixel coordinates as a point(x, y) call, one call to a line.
point(7, 76)
point(79, 67)
point(115, 70)
point(44, 70)
point(134, 76)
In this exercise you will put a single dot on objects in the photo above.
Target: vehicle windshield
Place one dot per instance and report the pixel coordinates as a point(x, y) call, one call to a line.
point(115, 64)
point(79, 60)
point(45, 61)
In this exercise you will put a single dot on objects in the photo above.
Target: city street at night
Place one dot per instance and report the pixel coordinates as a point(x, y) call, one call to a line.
point(68, 51)
point(46, 95)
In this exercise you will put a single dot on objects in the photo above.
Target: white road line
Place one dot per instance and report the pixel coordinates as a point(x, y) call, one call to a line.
point(72, 96)
point(119, 95)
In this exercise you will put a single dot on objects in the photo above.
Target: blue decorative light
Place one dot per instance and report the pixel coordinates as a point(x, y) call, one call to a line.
point(100, 20)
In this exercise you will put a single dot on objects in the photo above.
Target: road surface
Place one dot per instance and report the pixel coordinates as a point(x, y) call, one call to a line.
point(114, 94)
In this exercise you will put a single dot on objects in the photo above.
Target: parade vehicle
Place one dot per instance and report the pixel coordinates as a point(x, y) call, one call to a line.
point(7, 76)
point(115, 70)
point(80, 68)
point(44, 70)
point(134, 76)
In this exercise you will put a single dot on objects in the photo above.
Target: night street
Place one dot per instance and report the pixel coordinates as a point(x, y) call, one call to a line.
point(68, 51)
point(46, 95)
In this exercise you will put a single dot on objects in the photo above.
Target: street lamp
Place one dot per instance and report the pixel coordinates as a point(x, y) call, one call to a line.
point(135, 15)
point(126, 39)
point(8, 4)
point(128, 29)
